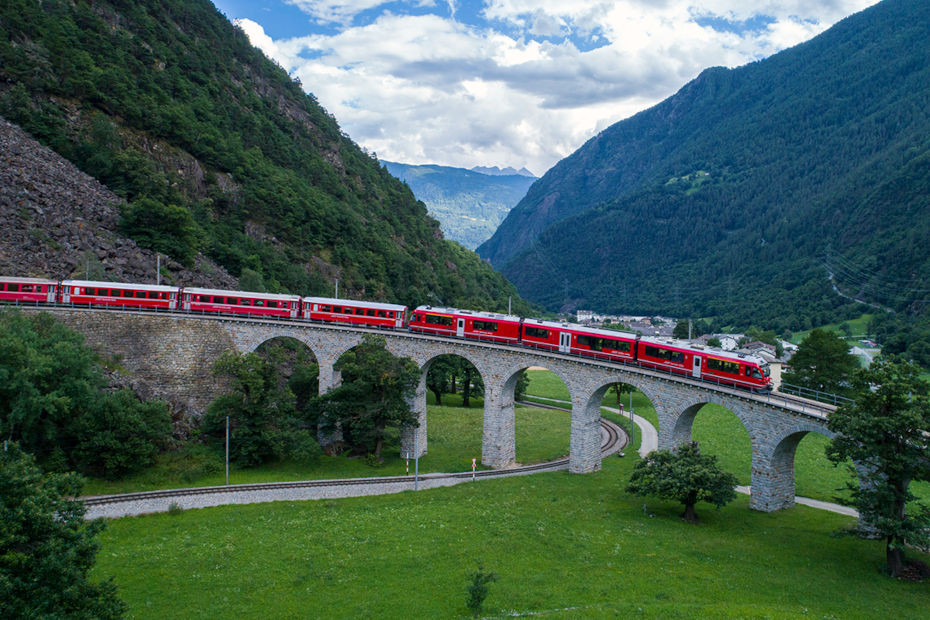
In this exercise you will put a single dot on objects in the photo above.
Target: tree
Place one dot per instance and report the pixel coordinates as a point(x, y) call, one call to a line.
point(884, 430)
point(714, 342)
point(374, 395)
point(262, 416)
point(684, 475)
point(478, 589)
point(53, 402)
point(47, 548)
point(440, 376)
point(619, 389)
point(523, 382)
point(822, 362)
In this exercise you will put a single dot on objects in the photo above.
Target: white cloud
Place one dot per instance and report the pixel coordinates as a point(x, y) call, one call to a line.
point(533, 82)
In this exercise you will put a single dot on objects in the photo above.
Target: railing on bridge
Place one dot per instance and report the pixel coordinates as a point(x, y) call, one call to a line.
point(823, 397)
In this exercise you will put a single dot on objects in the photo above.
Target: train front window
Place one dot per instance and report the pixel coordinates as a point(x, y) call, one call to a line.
point(756, 374)
point(765, 370)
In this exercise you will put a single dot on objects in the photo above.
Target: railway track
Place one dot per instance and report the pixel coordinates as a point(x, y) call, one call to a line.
point(123, 504)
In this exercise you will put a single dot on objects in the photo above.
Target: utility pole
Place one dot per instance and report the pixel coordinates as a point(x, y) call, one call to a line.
point(337, 289)
point(158, 271)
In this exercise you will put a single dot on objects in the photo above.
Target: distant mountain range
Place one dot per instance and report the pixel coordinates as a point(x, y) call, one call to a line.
point(494, 171)
point(773, 194)
point(469, 204)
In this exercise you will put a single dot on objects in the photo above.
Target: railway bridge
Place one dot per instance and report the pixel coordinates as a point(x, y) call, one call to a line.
point(175, 352)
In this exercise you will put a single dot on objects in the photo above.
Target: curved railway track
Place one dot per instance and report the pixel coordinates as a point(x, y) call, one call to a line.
point(125, 504)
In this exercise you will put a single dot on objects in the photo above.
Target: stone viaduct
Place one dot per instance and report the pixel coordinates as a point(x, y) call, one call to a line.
point(170, 356)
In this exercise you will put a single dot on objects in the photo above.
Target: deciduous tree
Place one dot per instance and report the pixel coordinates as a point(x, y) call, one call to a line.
point(373, 396)
point(684, 475)
point(884, 430)
point(822, 362)
point(47, 548)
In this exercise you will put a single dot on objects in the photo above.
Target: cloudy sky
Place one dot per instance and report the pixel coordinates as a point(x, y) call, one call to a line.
point(510, 82)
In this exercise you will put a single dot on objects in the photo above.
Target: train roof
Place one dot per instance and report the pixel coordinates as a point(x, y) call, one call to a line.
point(476, 313)
point(377, 305)
point(213, 291)
point(27, 280)
point(705, 350)
point(120, 285)
point(596, 331)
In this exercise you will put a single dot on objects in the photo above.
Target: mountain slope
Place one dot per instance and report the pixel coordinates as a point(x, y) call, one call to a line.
point(468, 204)
point(738, 195)
point(216, 149)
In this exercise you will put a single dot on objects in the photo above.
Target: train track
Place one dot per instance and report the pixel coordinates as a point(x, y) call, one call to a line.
point(613, 439)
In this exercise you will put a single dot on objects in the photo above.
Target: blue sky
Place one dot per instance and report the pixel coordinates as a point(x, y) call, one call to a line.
point(510, 82)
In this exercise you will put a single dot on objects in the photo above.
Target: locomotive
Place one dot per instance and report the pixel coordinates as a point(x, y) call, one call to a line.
point(743, 371)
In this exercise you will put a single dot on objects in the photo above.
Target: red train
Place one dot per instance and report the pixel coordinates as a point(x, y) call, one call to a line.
point(745, 371)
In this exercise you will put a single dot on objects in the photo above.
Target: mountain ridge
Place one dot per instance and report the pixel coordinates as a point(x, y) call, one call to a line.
point(729, 198)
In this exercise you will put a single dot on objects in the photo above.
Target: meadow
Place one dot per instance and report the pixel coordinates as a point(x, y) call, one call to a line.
point(561, 545)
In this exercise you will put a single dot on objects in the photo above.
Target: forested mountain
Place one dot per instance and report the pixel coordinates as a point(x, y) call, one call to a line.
point(216, 149)
point(468, 204)
point(751, 192)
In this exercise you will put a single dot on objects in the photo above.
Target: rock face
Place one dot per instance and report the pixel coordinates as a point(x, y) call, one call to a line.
point(60, 223)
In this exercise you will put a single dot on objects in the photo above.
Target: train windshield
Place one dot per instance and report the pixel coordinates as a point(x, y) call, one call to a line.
point(765, 370)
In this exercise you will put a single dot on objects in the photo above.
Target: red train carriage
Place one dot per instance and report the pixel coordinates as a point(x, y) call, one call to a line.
point(118, 294)
point(239, 302)
point(566, 338)
point(28, 290)
point(353, 312)
point(489, 326)
point(745, 371)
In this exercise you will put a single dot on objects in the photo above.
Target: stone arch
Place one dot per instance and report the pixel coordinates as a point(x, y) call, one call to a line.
point(681, 423)
point(773, 483)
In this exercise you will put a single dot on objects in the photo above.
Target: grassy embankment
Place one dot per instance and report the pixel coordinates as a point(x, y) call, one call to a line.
point(564, 546)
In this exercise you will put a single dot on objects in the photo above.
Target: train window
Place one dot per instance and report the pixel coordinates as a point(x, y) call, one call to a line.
point(87, 291)
point(434, 319)
point(617, 345)
point(259, 302)
point(390, 314)
point(382, 314)
point(13, 287)
point(722, 366)
point(665, 354)
point(537, 332)
point(591, 342)
point(27, 288)
point(232, 301)
point(369, 312)
point(488, 326)
point(756, 374)
point(140, 294)
point(217, 300)
point(245, 302)
point(748, 371)
point(325, 309)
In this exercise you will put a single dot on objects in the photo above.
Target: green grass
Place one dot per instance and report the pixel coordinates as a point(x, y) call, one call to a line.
point(563, 546)
point(546, 384)
point(858, 328)
point(453, 433)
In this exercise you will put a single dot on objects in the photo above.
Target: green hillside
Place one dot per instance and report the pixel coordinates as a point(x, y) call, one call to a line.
point(740, 196)
point(217, 150)
point(469, 205)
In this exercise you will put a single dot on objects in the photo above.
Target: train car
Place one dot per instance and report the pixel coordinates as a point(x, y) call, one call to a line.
point(28, 290)
point(353, 312)
point(568, 338)
point(240, 302)
point(488, 326)
point(119, 294)
point(744, 371)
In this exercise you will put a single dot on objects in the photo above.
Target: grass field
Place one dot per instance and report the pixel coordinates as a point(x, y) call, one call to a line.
point(562, 545)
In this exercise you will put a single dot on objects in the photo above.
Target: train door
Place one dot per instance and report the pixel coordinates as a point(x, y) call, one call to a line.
point(50, 296)
point(398, 319)
point(460, 327)
point(187, 301)
point(293, 312)
point(66, 293)
point(697, 367)
point(172, 300)
point(565, 342)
